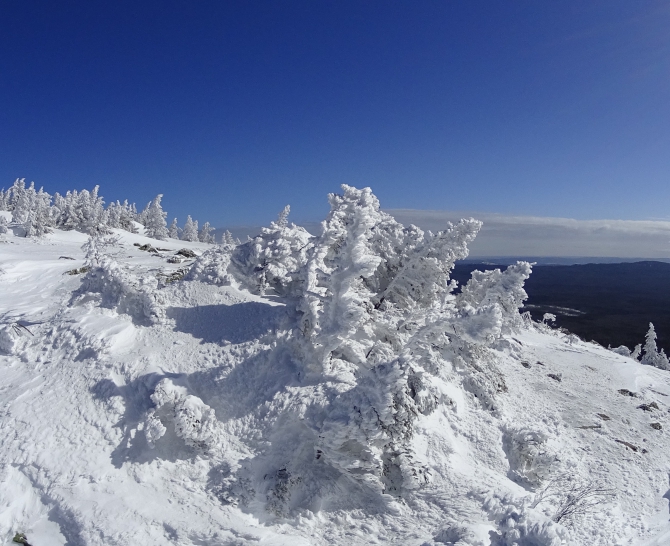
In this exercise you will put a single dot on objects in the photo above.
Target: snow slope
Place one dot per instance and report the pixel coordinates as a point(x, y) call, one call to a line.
point(185, 428)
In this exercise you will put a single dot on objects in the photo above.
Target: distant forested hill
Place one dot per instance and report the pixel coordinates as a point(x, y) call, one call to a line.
point(609, 303)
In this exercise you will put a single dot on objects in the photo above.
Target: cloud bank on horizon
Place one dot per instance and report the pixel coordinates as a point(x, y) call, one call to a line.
point(504, 235)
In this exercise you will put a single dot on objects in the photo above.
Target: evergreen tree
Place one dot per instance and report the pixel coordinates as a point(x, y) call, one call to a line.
point(127, 216)
point(154, 220)
point(190, 231)
point(651, 355)
point(39, 220)
point(22, 200)
point(205, 235)
point(282, 219)
point(228, 239)
point(173, 230)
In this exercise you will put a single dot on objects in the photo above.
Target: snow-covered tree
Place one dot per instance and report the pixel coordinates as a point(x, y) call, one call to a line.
point(376, 314)
point(4, 199)
point(503, 288)
point(39, 220)
point(282, 219)
point(272, 260)
point(22, 200)
point(3, 225)
point(228, 239)
point(173, 230)
point(190, 231)
point(205, 235)
point(154, 220)
point(127, 215)
point(91, 212)
point(651, 354)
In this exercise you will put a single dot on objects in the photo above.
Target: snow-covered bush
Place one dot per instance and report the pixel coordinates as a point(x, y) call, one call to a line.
point(117, 287)
point(212, 267)
point(520, 524)
point(502, 288)
point(531, 461)
point(10, 339)
point(193, 420)
point(374, 320)
point(272, 260)
point(376, 313)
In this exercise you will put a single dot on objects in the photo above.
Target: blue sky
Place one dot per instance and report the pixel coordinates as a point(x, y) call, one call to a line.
point(234, 109)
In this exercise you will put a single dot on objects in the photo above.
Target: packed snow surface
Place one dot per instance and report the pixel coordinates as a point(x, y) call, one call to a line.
point(138, 407)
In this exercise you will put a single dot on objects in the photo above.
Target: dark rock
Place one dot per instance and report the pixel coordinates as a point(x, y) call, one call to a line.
point(186, 253)
point(626, 392)
point(627, 444)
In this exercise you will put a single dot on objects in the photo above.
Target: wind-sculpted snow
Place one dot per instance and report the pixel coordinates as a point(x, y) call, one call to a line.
point(298, 390)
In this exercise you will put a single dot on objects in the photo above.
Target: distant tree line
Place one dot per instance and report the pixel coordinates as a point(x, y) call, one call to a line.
point(38, 212)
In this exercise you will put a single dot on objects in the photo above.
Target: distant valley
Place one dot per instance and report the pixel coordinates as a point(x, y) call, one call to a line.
point(611, 303)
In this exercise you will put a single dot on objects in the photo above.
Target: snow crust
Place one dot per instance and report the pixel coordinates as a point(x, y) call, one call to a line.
point(235, 407)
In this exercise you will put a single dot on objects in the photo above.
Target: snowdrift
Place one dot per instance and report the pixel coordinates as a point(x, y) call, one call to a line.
point(311, 390)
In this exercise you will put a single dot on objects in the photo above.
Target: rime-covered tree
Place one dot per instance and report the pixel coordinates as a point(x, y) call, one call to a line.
point(503, 288)
point(205, 235)
point(272, 260)
point(173, 230)
point(228, 239)
point(154, 220)
point(127, 215)
point(39, 220)
point(4, 199)
point(651, 354)
point(22, 198)
point(376, 314)
point(282, 219)
point(190, 231)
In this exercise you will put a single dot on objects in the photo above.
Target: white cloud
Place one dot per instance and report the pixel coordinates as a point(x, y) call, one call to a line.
point(545, 236)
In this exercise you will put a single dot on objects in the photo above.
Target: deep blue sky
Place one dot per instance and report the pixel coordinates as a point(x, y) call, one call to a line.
point(233, 109)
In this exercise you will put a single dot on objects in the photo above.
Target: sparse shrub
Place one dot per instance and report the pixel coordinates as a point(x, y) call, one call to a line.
point(573, 498)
